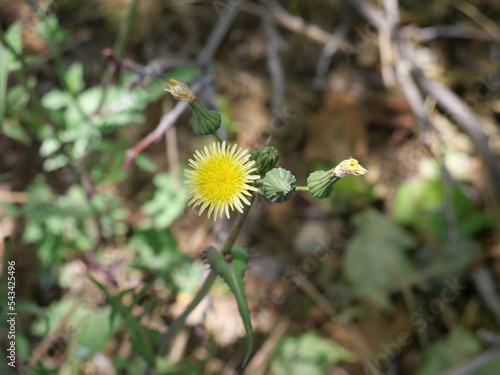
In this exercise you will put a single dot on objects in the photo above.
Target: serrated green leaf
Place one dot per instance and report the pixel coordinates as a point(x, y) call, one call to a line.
point(376, 258)
point(138, 334)
point(307, 354)
point(232, 273)
point(167, 204)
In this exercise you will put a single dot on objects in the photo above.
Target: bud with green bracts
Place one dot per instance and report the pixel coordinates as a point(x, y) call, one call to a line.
point(278, 185)
point(320, 183)
point(265, 158)
point(206, 122)
point(254, 153)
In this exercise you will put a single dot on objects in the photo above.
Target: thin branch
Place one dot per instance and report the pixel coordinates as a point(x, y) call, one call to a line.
point(297, 24)
point(387, 35)
point(463, 116)
point(330, 50)
point(424, 34)
point(275, 69)
point(479, 18)
point(469, 366)
point(166, 122)
point(450, 102)
point(218, 33)
point(179, 322)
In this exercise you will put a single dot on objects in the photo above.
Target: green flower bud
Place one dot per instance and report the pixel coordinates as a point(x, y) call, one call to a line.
point(206, 122)
point(265, 158)
point(254, 153)
point(320, 183)
point(278, 185)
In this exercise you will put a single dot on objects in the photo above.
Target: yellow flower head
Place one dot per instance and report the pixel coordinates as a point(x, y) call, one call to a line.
point(220, 179)
point(349, 166)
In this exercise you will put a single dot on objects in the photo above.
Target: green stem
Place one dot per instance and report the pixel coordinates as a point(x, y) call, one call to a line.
point(126, 29)
point(235, 230)
point(179, 322)
point(302, 188)
point(217, 136)
point(207, 284)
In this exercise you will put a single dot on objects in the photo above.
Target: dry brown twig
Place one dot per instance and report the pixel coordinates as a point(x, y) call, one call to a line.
point(204, 60)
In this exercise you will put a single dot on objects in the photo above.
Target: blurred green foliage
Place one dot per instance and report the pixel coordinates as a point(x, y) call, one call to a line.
point(309, 354)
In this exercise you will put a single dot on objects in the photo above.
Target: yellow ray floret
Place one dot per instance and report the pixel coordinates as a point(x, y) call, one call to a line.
point(220, 179)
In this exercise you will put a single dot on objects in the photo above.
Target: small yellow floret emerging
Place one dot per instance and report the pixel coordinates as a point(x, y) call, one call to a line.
point(179, 90)
point(220, 179)
point(349, 166)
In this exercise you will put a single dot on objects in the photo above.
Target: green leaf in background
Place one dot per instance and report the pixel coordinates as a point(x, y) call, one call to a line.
point(56, 99)
point(14, 38)
point(3, 81)
point(421, 205)
point(90, 325)
point(51, 31)
point(232, 273)
point(376, 258)
point(155, 249)
point(460, 345)
point(166, 205)
point(307, 354)
point(74, 77)
point(13, 129)
point(49, 146)
point(185, 74)
point(139, 337)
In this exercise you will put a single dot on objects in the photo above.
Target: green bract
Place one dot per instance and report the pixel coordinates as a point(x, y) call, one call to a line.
point(320, 183)
point(206, 122)
point(265, 158)
point(279, 185)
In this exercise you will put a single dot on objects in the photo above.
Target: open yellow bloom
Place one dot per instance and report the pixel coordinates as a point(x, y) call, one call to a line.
point(220, 179)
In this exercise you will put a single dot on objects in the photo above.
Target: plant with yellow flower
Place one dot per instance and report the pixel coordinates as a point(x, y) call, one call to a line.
point(224, 178)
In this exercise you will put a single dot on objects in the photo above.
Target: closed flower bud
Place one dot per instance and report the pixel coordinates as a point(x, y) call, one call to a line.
point(180, 91)
point(278, 185)
point(320, 183)
point(265, 158)
point(349, 166)
point(206, 122)
point(254, 153)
